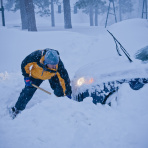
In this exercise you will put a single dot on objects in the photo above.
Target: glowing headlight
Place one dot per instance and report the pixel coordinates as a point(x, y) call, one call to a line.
point(81, 81)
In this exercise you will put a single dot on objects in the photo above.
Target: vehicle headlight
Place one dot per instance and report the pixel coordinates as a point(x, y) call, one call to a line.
point(80, 81)
point(83, 80)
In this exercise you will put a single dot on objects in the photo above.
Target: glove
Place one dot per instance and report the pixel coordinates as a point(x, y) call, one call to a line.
point(28, 82)
point(69, 96)
point(68, 92)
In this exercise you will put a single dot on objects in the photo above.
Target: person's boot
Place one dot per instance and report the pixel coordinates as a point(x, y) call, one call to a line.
point(13, 112)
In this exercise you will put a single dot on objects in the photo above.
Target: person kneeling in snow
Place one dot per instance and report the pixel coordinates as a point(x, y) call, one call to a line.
point(37, 67)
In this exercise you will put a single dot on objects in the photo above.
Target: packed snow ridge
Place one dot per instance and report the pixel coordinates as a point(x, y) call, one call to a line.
point(49, 121)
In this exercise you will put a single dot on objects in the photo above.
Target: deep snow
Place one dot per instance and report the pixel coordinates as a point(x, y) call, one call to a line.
point(49, 121)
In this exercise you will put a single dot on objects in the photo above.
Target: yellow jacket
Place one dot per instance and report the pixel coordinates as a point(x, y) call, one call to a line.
point(33, 65)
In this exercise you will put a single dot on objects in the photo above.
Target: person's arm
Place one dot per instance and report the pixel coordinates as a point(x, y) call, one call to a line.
point(64, 75)
point(27, 62)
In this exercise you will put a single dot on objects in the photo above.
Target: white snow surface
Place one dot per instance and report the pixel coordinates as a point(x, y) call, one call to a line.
point(49, 121)
point(109, 70)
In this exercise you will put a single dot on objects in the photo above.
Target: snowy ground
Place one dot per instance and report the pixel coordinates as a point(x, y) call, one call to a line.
point(54, 122)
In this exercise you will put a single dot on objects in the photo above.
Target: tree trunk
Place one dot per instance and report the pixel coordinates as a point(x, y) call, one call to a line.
point(120, 11)
point(3, 16)
point(52, 14)
point(67, 14)
point(96, 16)
point(130, 13)
point(23, 15)
point(59, 9)
point(75, 10)
point(139, 8)
point(30, 15)
point(91, 16)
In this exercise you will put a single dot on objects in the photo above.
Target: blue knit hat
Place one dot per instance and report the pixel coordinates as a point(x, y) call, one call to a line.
point(51, 57)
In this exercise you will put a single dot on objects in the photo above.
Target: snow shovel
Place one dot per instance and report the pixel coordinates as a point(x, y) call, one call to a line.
point(41, 89)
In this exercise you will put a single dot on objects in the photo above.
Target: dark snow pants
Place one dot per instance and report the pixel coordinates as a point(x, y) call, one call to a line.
point(28, 92)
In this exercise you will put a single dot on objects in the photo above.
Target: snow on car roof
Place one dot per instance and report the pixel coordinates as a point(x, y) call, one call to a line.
point(112, 69)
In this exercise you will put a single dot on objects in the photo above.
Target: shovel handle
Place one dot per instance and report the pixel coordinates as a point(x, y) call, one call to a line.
point(41, 89)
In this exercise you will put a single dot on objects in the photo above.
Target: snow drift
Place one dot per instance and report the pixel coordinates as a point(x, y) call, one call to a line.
point(49, 121)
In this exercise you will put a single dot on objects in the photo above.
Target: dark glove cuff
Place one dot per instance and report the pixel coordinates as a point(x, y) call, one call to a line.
point(68, 93)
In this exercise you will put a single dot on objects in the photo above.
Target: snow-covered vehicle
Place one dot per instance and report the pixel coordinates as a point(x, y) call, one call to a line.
point(101, 79)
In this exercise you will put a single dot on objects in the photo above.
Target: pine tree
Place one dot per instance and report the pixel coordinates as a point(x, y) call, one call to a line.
point(30, 15)
point(43, 7)
point(23, 13)
point(52, 14)
point(9, 4)
point(125, 6)
point(90, 7)
point(26, 8)
point(67, 14)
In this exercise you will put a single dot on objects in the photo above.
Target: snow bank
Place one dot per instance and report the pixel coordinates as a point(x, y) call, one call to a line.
point(49, 121)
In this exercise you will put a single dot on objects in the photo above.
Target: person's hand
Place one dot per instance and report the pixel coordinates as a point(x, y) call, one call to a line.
point(28, 82)
point(68, 93)
point(69, 96)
